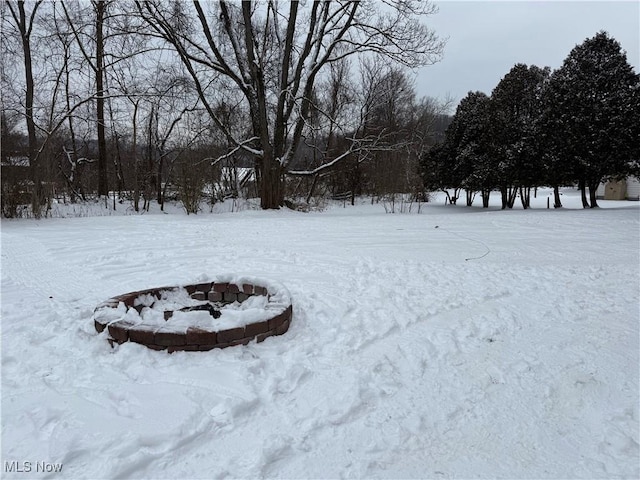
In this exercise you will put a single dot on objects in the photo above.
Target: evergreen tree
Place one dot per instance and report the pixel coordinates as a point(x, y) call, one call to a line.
point(558, 170)
point(463, 160)
point(472, 139)
point(516, 106)
point(441, 171)
point(591, 121)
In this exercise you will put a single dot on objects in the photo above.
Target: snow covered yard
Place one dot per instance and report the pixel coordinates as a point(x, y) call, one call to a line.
point(403, 360)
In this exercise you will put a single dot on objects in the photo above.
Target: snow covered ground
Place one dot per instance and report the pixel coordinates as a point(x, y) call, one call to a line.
point(454, 343)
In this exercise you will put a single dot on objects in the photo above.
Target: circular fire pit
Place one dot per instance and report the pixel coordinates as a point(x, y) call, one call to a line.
point(222, 313)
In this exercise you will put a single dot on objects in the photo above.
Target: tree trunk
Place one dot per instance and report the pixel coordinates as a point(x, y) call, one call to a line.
point(456, 195)
point(117, 163)
point(313, 186)
point(556, 197)
point(485, 193)
point(505, 197)
point(103, 188)
point(149, 174)
point(470, 197)
point(271, 185)
point(582, 185)
point(134, 156)
point(525, 197)
point(512, 194)
point(593, 187)
point(159, 174)
point(37, 196)
point(75, 183)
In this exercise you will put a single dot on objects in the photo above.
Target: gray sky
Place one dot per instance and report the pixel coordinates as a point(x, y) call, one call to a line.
point(487, 38)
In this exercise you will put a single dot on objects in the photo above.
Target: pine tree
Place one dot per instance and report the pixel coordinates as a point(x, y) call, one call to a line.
point(464, 160)
point(516, 106)
point(437, 169)
point(591, 121)
point(475, 145)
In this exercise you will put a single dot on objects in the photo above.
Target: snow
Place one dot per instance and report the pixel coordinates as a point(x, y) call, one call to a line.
point(403, 359)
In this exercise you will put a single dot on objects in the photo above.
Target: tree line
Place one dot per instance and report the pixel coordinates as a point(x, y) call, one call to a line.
point(578, 125)
point(147, 97)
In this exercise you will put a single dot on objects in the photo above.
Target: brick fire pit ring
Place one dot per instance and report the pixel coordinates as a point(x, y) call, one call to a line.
point(225, 312)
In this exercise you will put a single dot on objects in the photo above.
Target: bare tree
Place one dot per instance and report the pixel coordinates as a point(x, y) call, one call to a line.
point(24, 21)
point(47, 57)
point(330, 121)
point(64, 65)
point(100, 7)
point(276, 52)
point(97, 64)
point(104, 23)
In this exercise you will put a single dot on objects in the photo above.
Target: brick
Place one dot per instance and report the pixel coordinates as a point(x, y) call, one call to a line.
point(119, 298)
point(241, 341)
point(206, 348)
point(99, 326)
point(119, 331)
point(156, 347)
point(233, 288)
point(247, 289)
point(203, 287)
point(143, 336)
point(197, 336)
point(170, 338)
point(127, 299)
point(263, 336)
point(278, 320)
point(225, 336)
point(260, 290)
point(215, 296)
point(198, 296)
point(182, 348)
point(230, 297)
point(111, 303)
point(190, 289)
point(254, 329)
point(220, 287)
point(242, 297)
point(283, 328)
point(168, 314)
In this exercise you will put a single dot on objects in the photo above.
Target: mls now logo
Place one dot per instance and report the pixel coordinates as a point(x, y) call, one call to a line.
point(27, 467)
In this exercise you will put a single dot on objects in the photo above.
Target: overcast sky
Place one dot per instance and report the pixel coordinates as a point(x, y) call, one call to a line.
point(486, 38)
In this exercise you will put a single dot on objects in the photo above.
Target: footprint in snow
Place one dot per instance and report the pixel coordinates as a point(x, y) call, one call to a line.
point(496, 375)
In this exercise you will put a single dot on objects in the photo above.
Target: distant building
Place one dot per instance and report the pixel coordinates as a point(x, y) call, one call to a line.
point(627, 189)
